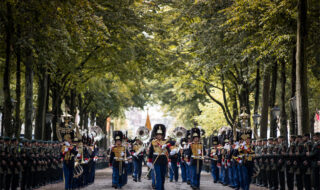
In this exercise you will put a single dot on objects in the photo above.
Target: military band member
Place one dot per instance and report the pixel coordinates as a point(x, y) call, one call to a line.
point(214, 159)
point(183, 164)
point(282, 149)
point(186, 155)
point(68, 154)
point(138, 153)
point(118, 160)
point(158, 156)
point(196, 155)
point(174, 161)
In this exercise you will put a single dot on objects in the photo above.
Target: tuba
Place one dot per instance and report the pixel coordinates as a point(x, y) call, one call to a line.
point(78, 170)
point(179, 132)
point(142, 133)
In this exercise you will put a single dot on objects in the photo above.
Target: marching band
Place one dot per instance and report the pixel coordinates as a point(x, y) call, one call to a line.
point(235, 160)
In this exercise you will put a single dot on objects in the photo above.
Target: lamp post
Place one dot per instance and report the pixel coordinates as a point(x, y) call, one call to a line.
point(244, 119)
point(275, 112)
point(293, 104)
point(256, 121)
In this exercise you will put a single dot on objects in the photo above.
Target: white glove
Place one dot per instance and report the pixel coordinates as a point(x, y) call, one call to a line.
point(150, 165)
point(173, 152)
point(66, 149)
point(78, 155)
point(122, 153)
point(126, 162)
point(169, 164)
point(188, 163)
point(228, 164)
point(240, 161)
point(67, 143)
point(135, 154)
point(164, 146)
point(199, 151)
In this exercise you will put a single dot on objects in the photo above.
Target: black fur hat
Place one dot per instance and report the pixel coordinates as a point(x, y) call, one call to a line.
point(117, 135)
point(159, 129)
point(195, 132)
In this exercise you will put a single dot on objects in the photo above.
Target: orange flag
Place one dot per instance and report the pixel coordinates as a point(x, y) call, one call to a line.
point(148, 123)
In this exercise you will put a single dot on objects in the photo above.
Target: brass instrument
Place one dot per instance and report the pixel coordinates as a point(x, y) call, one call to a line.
point(78, 170)
point(179, 132)
point(143, 133)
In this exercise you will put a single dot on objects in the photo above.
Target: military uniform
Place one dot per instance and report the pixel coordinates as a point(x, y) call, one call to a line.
point(118, 159)
point(196, 156)
point(138, 154)
point(214, 159)
point(174, 162)
point(158, 156)
point(183, 164)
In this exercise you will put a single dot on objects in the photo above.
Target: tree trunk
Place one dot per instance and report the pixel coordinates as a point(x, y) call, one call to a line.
point(17, 122)
point(7, 108)
point(283, 115)
point(42, 105)
point(80, 106)
point(47, 129)
point(73, 103)
point(293, 116)
point(85, 121)
point(56, 109)
point(272, 99)
point(302, 78)
point(265, 103)
point(256, 96)
point(29, 95)
point(92, 118)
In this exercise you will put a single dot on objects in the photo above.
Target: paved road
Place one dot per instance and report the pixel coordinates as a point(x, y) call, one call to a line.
point(103, 181)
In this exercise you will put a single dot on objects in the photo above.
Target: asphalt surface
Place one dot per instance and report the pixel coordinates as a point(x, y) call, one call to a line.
point(103, 181)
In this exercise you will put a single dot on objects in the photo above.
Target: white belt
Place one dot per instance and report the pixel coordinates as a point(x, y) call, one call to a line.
point(158, 153)
point(118, 158)
point(196, 157)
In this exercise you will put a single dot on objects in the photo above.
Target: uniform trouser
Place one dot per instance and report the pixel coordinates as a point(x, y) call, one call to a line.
point(222, 173)
point(15, 182)
point(299, 178)
point(269, 180)
point(235, 176)
point(24, 179)
point(93, 172)
point(8, 181)
point(214, 172)
point(282, 180)
point(307, 181)
point(153, 177)
point(188, 173)
point(183, 171)
point(1, 181)
point(290, 180)
point(174, 171)
point(239, 172)
point(245, 177)
point(68, 176)
point(137, 169)
point(118, 176)
point(316, 177)
point(195, 181)
point(129, 168)
point(230, 176)
point(160, 174)
point(274, 179)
